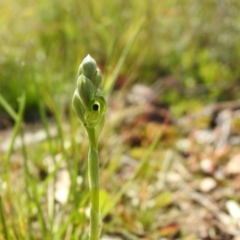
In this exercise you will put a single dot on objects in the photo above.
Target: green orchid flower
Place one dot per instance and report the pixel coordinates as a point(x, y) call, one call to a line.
point(90, 107)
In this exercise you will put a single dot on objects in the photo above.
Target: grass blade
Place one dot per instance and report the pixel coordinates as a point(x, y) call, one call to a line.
point(3, 220)
point(144, 160)
point(19, 119)
point(8, 108)
point(113, 77)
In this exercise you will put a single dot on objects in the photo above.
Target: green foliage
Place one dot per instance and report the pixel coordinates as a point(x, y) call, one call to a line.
point(197, 40)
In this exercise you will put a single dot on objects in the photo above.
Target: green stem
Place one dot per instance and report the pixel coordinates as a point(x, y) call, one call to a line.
point(93, 175)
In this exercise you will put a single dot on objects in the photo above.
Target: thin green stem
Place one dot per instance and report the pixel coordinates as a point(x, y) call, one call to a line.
point(93, 175)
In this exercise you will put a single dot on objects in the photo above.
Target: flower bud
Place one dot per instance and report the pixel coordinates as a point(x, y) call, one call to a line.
point(88, 67)
point(86, 89)
point(78, 106)
point(97, 78)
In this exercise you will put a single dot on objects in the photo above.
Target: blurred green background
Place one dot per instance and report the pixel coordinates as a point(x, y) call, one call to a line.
point(195, 42)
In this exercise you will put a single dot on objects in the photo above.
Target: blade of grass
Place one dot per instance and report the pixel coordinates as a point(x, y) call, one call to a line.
point(44, 120)
point(51, 193)
point(51, 178)
point(30, 181)
point(166, 166)
point(108, 207)
point(63, 229)
point(21, 224)
point(57, 112)
point(3, 220)
point(8, 108)
point(28, 194)
point(75, 156)
point(72, 218)
point(36, 199)
point(19, 119)
point(110, 81)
